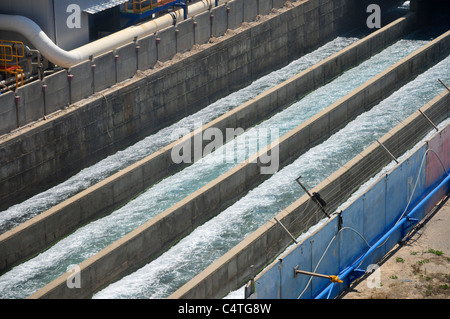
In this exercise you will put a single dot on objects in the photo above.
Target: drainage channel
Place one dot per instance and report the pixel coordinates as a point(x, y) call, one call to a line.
point(210, 241)
point(240, 293)
point(35, 273)
point(17, 214)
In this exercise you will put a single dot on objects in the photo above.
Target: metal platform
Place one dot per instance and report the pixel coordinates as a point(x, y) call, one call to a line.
point(141, 9)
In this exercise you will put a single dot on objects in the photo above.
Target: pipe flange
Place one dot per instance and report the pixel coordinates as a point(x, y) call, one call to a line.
point(174, 17)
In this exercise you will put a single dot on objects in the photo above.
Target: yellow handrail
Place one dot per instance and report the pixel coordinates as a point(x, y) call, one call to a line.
point(140, 6)
point(10, 53)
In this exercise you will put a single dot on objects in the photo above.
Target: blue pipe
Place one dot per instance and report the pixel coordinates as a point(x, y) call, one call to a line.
point(351, 268)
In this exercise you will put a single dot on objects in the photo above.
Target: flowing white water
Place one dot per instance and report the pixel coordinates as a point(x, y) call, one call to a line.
point(32, 275)
point(17, 214)
point(239, 293)
point(195, 252)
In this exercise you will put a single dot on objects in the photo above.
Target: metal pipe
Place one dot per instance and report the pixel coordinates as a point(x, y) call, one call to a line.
point(347, 271)
point(66, 59)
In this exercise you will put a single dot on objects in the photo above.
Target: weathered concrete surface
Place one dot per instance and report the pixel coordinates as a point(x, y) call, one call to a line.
point(211, 282)
point(31, 94)
point(112, 192)
point(371, 213)
point(8, 120)
point(131, 252)
point(56, 94)
point(123, 113)
point(233, 269)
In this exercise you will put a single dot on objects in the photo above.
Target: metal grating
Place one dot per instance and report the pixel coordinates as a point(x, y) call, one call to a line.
point(104, 6)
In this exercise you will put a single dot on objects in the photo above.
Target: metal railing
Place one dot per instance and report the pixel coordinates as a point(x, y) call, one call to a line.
point(140, 6)
point(10, 53)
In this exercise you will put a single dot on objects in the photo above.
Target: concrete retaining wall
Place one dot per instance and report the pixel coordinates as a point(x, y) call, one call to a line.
point(215, 280)
point(131, 251)
point(117, 189)
point(236, 267)
point(155, 97)
point(121, 64)
point(235, 19)
point(125, 62)
point(57, 98)
point(30, 95)
point(371, 215)
point(8, 120)
point(185, 35)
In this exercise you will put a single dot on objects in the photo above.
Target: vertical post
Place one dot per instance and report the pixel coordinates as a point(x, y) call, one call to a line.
point(69, 79)
point(211, 21)
point(93, 66)
point(158, 41)
point(44, 89)
point(138, 47)
point(186, 10)
point(16, 100)
point(136, 43)
point(116, 59)
point(177, 31)
point(249, 289)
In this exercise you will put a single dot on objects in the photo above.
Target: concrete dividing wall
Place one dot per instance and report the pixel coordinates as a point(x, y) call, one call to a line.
point(146, 52)
point(236, 17)
point(215, 283)
point(131, 251)
point(371, 215)
point(104, 197)
point(250, 10)
point(202, 32)
point(166, 43)
point(56, 92)
point(125, 62)
point(81, 81)
point(30, 95)
point(8, 120)
point(122, 63)
point(104, 71)
point(265, 6)
point(185, 35)
point(219, 21)
point(156, 97)
point(234, 269)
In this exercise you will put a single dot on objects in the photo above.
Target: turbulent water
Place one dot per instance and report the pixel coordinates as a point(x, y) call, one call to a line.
point(239, 293)
point(210, 241)
point(19, 213)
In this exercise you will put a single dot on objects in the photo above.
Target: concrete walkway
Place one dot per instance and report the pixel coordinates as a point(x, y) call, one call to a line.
point(418, 269)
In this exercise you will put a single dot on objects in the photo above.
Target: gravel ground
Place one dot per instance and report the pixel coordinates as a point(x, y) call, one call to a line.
point(417, 269)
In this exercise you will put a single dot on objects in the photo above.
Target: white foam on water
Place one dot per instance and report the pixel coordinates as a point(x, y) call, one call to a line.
point(211, 240)
point(17, 214)
point(33, 274)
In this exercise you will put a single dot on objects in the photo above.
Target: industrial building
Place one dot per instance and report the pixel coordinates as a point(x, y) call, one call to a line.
point(68, 25)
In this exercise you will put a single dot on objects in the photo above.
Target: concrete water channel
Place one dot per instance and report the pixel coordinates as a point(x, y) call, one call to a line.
point(184, 260)
point(213, 239)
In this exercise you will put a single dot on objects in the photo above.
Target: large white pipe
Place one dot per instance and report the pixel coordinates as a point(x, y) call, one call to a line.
point(66, 59)
point(39, 39)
